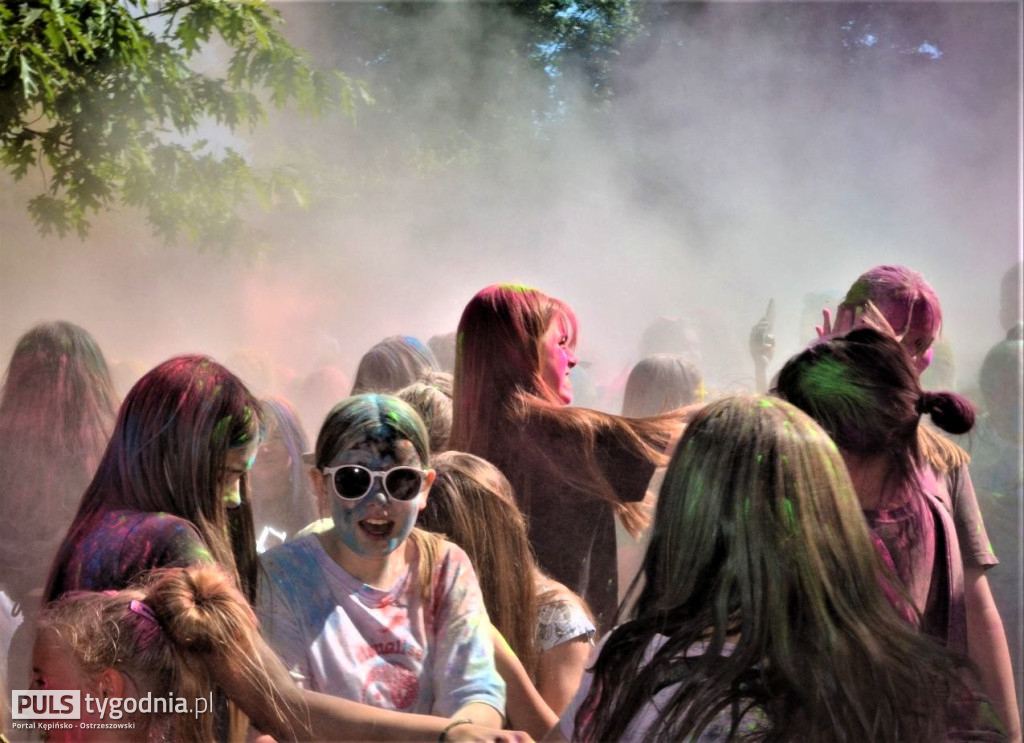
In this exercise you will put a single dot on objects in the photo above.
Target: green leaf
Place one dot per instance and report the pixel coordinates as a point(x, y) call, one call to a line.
point(31, 17)
point(26, 74)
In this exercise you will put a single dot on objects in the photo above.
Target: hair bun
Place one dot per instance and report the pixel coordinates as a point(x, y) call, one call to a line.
point(198, 606)
point(950, 412)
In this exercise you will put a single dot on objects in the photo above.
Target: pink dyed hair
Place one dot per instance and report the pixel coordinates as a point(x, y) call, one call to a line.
point(903, 297)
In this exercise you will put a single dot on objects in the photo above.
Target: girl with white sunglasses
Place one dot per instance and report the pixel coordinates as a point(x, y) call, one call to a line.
point(371, 609)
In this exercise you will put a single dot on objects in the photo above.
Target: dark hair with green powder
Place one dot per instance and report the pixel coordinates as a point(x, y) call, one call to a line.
point(862, 388)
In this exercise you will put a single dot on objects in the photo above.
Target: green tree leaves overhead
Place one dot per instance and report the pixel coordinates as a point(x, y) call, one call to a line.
point(107, 100)
point(586, 34)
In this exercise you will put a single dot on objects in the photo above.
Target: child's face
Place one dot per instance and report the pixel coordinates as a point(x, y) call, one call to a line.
point(55, 668)
point(375, 525)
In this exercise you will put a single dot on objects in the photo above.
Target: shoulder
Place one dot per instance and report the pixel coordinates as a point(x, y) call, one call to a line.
point(296, 579)
point(160, 538)
point(561, 616)
point(286, 566)
point(450, 552)
point(149, 531)
point(952, 487)
point(115, 547)
point(155, 525)
point(453, 580)
point(296, 551)
point(448, 562)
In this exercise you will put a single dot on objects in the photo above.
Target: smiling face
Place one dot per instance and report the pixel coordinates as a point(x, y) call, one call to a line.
point(373, 527)
point(557, 358)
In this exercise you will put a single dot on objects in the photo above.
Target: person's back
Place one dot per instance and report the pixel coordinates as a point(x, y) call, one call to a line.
point(113, 548)
point(172, 487)
point(572, 531)
point(761, 612)
point(863, 389)
point(57, 409)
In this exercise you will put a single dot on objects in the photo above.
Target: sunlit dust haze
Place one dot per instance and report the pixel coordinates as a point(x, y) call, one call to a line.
point(746, 152)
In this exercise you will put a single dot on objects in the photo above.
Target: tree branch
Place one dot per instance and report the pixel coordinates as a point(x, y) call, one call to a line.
point(172, 8)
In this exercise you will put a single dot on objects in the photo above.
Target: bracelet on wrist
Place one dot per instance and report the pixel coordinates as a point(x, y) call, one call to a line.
point(454, 723)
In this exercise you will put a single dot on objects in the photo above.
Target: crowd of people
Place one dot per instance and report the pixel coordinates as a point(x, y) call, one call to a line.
point(805, 560)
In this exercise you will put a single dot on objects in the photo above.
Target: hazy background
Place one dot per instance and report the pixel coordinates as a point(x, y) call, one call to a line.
point(749, 152)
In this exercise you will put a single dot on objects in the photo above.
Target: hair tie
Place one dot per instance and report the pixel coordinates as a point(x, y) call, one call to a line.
point(143, 610)
point(925, 402)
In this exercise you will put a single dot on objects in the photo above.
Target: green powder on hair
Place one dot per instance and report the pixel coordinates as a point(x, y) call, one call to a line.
point(829, 378)
point(520, 288)
point(787, 506)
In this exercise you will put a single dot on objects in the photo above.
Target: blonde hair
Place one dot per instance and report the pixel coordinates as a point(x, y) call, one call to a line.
point(165, 634)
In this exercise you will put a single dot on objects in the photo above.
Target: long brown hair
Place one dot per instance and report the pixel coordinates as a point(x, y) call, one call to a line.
point(57, 409)
point(394, 363)
point(660, 383)
point(472, 504)
point(499, 388)
point(758, 534)
point(167, 454)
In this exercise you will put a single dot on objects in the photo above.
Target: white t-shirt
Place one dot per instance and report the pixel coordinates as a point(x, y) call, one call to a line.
point(383, 648)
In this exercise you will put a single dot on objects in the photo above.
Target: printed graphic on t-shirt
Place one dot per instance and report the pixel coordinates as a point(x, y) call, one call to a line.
point(391, 686)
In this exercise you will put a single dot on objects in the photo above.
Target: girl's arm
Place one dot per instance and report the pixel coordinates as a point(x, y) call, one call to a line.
point(479, 713)
point(524, 706)
point(986, 646)
point(559, 672)
point(276, 706)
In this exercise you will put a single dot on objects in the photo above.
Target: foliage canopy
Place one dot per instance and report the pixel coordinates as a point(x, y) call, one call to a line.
point(107, 99)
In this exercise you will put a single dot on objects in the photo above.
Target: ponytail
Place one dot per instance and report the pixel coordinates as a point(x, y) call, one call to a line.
point(948, 410)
